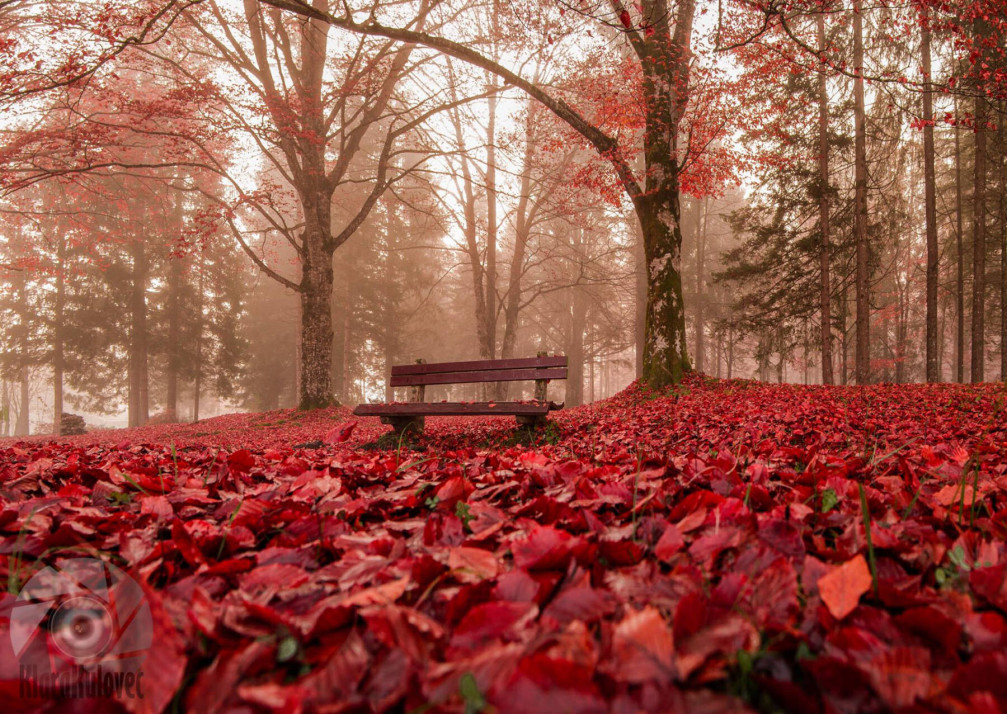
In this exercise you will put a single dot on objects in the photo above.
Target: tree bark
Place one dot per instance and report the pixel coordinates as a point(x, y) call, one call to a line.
point(640, 313)
point(700, 297)
point(665, 65)
point(198, 382)
point(979, 244)
point(58, 356)
point(960, 257)
point(23, 426)
point(863, 328)
point(930, 200)
point(174, 349)
point(138, 386)
point(824, 256)
point(1002, 219)
point(316, 312)
point(575, 348)
point(491, 229)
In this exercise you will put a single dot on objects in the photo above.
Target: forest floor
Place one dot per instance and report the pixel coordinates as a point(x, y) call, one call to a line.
point(726, 544)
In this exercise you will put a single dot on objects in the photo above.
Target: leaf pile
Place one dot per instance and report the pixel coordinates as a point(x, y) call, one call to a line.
point(725, 545)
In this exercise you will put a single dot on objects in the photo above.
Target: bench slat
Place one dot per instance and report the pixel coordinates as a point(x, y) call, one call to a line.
point(503, 375)
point(402, 370)
point(455, 409)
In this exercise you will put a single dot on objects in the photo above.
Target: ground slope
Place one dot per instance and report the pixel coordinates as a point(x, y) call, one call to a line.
point(723, 545)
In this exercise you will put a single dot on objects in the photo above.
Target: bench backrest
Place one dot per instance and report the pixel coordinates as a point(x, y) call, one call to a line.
point(493, 370)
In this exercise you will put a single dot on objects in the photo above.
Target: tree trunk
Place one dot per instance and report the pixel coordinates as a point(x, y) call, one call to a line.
point(524, 215)
point(979, 245)
point(174, 348)
point(825, 299)
point(700, 257)
point(23, 426)
point(4, 408)
point(138, 394)
point(730, 350)
point(316, 312)
point(491, 230)
point(58, 359)
point(960, 256)
point(930, 198)
point(198, 382)
point(174, 356)
point(640, 314)
point(863, 337)
point(575, 348)
point(1002, 219)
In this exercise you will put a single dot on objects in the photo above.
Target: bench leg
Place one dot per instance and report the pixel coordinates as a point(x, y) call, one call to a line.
point(531, 421)
point(408, 425)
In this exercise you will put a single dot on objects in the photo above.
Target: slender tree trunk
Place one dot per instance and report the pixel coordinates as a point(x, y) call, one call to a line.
point(174, 348)
point(524, 215)
point(960, 256)
point(863, 337)
point(825, 298)
point(198, 382)
point(4, 408)
point(58, 357)
point(979, 245)
point(845, 335)
point(930, 199)
point(491, 229)
point(700, 297)
point(23, 426)
point(138, 385)
point(730, 350)
point(640, 315)
point(575, 348)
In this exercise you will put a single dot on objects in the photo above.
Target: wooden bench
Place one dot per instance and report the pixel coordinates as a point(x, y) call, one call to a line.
point(410, 415)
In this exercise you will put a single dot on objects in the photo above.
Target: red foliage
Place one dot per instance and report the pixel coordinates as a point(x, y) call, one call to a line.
point(693, 550)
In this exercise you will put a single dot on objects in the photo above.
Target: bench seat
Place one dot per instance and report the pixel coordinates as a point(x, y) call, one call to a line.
point(457, 409)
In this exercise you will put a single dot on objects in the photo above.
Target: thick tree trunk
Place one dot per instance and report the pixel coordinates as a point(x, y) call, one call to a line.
point(824, 256)
point(316, 314)
point(930, 199)
point(1002, 220)
point(664, 358)
point(979, 246)
point(863, 337)
point(138, 385)
point(665, 66)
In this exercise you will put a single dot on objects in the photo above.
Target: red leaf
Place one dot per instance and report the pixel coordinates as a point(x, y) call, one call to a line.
point(842, 587)
point(643, 648)
point(340, 433)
